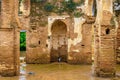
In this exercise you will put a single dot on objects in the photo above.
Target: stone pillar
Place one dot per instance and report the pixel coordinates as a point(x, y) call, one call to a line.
point(87, 39)
point(118, 41)
point(9, 40)
point(88, 7)
point(104, 40)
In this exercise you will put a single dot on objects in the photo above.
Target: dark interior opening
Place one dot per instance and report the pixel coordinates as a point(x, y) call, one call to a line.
point(38, 42)
point(46, 45)
point(94, 9)
point(82, 45)
point(107, 31)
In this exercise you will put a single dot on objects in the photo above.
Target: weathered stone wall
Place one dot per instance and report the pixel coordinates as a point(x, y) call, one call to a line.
point(9, 39)
point(25, 16)
point(118, 41)
point(80, 49)
point(58, 41)
point(37, 47)
point(77, 38)
point(104, 64)
point(88, 7)
point(37, 51)
point(8, 53)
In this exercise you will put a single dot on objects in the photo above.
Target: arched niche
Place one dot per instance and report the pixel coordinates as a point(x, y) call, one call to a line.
point(58, 41)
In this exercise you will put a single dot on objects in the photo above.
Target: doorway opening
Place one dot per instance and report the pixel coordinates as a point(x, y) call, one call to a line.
point(22, 43)
point(59, 42)
point(22, 52)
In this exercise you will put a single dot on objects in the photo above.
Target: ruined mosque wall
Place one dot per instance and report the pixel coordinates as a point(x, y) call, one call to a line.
point(9, 39)
point(39, 47)
point(104, 40)
point(118, 40)
point(79, 48)
point(39, 37)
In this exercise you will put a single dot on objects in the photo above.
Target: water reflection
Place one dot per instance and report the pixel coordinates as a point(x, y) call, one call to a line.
point(22, 77)
point(22, 69)
point(57, 71)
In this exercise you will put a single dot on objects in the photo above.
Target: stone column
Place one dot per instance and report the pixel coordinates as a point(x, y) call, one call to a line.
point(104, 40)
point(118, 41)
point(9, 39)
point(88, 7)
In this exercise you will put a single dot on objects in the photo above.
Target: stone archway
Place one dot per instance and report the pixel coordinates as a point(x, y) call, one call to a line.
point(59, 41)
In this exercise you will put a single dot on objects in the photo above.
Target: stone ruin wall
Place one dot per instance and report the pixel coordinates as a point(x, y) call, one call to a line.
point(118, 41)
point(38, 46)
point(36, 38)
point(76, 39)
point(9, 39)
point(79, 43)
point(104, 37)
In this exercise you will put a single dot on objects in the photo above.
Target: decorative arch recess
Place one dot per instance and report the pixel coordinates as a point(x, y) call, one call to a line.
point(59, 41)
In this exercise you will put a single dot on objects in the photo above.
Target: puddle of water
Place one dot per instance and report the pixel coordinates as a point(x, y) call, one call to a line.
point(22, 69)
point(56, 71)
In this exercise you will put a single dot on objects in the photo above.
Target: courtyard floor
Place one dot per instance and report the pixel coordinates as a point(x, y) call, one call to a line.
point(57, 71)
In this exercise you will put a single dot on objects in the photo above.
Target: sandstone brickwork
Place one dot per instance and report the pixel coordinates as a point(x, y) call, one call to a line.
point(9, 39)
point(52, 36)
point(118, 41)
point(104, 39)
point(81, 49)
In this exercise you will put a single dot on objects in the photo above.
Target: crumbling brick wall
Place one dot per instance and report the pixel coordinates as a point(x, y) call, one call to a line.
point(118, 40)
point(9, 39)
point(104, 64)
point(36, 36)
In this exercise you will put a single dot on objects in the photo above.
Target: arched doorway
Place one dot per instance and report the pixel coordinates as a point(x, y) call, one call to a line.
point(59, 42)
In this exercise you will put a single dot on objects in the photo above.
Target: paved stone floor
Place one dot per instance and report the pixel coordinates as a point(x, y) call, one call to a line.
point(57, 71)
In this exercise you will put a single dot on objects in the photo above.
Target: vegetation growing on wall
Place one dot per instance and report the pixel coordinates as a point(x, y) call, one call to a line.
point(41, 9)
point(48, 7)
point(78, 14)
point(38, 1)
point(58, 7)
point(63, 7)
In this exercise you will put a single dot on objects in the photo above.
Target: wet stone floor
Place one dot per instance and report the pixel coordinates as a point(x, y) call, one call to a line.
point(57, 71)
